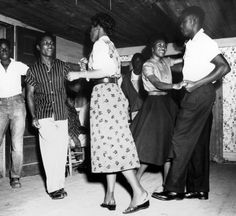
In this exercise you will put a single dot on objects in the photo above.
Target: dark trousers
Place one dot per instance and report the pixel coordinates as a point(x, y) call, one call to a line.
point(198, 168)
point(194, 111)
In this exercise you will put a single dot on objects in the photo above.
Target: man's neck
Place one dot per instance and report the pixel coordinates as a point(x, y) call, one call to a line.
point(47, 60)
point(5, 63)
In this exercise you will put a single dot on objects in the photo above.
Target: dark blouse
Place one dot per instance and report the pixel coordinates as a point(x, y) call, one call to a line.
point(50, 92)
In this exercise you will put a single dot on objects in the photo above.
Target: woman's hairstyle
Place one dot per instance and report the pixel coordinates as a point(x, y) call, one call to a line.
point(158, 38)
point(5, 41)
point(105, 21)
point(194, 11)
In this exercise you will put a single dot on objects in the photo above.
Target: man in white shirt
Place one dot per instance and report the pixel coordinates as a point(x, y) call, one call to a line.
point(203, 64)
point(132, 85)
point(12, 108)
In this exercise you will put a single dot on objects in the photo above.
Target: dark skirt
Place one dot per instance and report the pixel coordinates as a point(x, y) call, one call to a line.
point(152, 129)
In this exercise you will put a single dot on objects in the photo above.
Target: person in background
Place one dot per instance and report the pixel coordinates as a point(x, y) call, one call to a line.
point(112, 146)
point(132, 85)
point(203, 64)
point(153, 126)
point(46, 96)
point(12, 108)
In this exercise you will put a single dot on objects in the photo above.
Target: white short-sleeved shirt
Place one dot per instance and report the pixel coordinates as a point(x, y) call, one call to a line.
point(10, 79)
point(104, 56)
point(159, 69)
point(198, 55)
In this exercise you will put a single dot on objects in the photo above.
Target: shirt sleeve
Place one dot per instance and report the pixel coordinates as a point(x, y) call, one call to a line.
point(30, 78)
point(148, 69)
point(22, 68)
point(212, 49)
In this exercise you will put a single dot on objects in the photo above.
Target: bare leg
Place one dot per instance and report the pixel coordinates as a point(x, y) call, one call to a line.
point(166, 170)
point(141, 170)
point(109, 197)
point(139, 194)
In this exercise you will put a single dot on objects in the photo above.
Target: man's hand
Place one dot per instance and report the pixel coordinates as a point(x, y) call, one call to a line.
point(190, 85)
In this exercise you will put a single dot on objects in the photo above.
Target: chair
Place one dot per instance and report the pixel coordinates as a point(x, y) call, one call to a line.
point(75, 157)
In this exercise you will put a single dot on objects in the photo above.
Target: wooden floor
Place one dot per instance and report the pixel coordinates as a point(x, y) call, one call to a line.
point(85, 193)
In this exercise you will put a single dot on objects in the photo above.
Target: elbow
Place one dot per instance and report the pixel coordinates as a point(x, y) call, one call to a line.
point(225, 69)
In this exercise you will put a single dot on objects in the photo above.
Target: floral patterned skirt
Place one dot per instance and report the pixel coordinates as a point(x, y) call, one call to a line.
point(112, 144)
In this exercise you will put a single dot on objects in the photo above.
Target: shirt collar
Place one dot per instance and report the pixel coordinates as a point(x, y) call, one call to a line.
point(134, 76)
point(104, 37)
point(197, 35)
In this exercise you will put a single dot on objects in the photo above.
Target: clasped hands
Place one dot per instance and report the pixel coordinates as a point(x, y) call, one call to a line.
point(187, 84)
point(83, 68)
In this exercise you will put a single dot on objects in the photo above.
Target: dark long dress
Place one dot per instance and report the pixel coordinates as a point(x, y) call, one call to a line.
point(153, 126)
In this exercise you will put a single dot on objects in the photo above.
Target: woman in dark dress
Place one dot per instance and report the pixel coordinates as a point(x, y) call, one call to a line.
point(153, 126)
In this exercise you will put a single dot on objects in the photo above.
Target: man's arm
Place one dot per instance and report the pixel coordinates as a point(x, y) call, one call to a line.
point(30, 102)
point(221, 69)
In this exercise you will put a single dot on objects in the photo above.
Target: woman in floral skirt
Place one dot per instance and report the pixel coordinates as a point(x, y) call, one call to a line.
point(112, 145)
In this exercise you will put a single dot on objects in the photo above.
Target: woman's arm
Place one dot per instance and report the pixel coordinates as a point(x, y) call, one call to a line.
point(88, 74)
point(162, 85)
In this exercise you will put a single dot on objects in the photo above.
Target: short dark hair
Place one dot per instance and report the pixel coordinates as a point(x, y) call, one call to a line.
point(195, 11)
point(158, 38)
point(5, 41)
point(137, 55)
point(45, 34)
point(105, 21)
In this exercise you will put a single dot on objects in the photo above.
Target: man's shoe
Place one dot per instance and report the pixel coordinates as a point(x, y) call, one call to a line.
point(15, 183)
point(63, 191)
point(58, 194)
point(196, 195)
point(168, 195)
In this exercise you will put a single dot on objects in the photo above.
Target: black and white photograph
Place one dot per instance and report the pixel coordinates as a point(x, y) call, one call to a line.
point(117, 107)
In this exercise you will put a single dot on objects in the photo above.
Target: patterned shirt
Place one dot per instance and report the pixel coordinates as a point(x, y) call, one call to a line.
point(50, 92)
point(105, 56)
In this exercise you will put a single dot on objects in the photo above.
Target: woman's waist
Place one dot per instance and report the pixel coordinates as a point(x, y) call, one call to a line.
point(105, 80)
point(157, 93)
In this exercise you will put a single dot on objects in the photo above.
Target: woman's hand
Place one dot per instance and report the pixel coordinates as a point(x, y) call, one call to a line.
point(35, 123)
point(179, 85)
point(190, 85)
point(73, 76)
point(83, 63)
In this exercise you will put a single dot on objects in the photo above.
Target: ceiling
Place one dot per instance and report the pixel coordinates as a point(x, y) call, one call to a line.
point(137, 20)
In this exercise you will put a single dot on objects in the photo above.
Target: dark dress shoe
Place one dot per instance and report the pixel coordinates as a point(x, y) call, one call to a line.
point(63, 191)
point(58, 194)
point(137, 208)
point(196, 195)
point(168, 195)
point(110, 207)
point(15, 183)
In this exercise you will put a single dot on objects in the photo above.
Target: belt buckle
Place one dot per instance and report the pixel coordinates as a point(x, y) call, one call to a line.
point(106, 80)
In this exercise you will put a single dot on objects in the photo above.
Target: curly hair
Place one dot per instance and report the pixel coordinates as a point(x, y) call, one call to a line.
point(105, 21)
